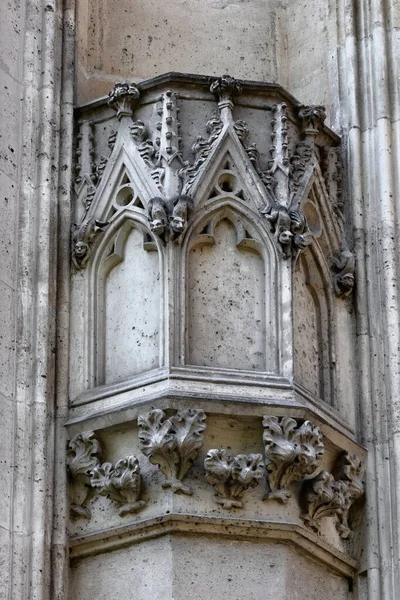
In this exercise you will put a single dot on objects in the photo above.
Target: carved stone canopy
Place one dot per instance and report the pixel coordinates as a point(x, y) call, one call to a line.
point(181, 167)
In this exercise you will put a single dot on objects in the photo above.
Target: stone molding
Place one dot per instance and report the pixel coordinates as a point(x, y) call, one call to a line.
point(286, 532)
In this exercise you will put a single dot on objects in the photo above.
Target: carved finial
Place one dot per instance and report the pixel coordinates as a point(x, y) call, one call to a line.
point(232, 475)
point(172, 444)
point(225, 88)
point(344, 267)
point(122, 97)
point(312, 119)
point(292, 452)
point(82, 457)
point(120, 483)
point(330, 495)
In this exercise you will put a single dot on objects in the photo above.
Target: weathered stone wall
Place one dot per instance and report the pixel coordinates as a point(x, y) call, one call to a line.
point(137, 40)
point(11, 150)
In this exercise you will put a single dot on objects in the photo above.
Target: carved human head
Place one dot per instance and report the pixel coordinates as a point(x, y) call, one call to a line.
point(177, 224)
point(157, 226)
point(81, 249)
point(285, 236)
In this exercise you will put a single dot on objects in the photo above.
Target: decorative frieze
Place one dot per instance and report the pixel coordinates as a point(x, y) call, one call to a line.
point(330, 495)
point(232, 475)
point(292, 451)
point(121, 483)
point(172, 443)
point(83, 456)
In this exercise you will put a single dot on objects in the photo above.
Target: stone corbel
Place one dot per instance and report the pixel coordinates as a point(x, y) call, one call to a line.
point(121, 483)
point(332, 495)
point(83, 455)
point(172, 443)
point(232, 475)
point(293, 452)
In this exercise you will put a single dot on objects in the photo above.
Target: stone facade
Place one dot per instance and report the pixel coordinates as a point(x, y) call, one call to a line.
point(199, 333)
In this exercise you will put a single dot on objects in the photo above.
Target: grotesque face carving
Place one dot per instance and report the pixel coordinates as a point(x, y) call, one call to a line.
point(346, 281)
point(157, 226)
point(285, 237)
point(81, 249)
point(177, 224)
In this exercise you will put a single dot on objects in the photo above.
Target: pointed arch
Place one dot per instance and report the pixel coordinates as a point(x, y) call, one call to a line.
point(229, 267)
point(313, 325)
point(126, 313)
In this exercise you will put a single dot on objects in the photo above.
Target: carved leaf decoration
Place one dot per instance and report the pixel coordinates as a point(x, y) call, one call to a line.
point(232, 476)
point(158, 442)
point(247, 471)
point(120, 483)
point(328, 495)
point(292, 452)
point(188, 426)
point(218, 466)
point(83, 451)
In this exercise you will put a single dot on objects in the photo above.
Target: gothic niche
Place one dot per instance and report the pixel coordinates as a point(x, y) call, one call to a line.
point(129, 296)
point(227, 315)
point(311, 325)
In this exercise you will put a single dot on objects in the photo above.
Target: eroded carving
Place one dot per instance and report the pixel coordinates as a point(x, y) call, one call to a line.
point(344, 266)
point(121, 483)
point(225, 88)
point(330, 495)
point(312, 118)
point(83, 456)
point(169, 221)
point(232, 475)
point(172, 443)
point(83, 238)
point(293, 452)
point(289, 227)
point(201, 149)
point(122, 98)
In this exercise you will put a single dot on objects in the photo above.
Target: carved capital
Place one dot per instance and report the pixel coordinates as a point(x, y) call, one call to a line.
point(292, 453)
point(232, 475)
point(330, 495)
point(122, 97)
point(83, 455)
point(172, 444)
point(121, 483)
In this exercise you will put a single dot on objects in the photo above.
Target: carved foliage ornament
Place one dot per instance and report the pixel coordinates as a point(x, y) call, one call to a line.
point(121, 483)
point(82, 457)
point(172, 443)
point(122, 97)
point(292, 453)
point(333, 494)
point(232, 475)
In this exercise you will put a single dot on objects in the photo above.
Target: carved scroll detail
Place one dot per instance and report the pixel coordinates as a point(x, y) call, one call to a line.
point(121, 483)
point(232, 475)
point(82, 457)
point(172, 443)
point(292, 452)
point(330, 495)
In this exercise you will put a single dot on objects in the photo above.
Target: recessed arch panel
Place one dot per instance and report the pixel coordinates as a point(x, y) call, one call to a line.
point(230, 319)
